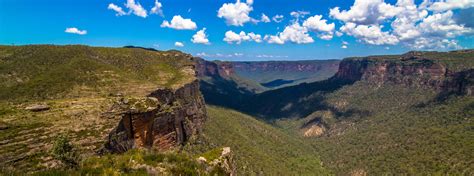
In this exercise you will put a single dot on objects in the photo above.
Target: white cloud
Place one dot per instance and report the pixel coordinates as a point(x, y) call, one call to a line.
point(299, 14)
point(200, 37)
point(344, 46)
point(430, 25)
point(317, 24)
point(265, 18)
point(119, 11)
point(136, 8)
point(157, 9)
point(219, 55)
point(370, 34)
point(232, 37)
point(270, 56)
point(74, 30)
point(442, 25)
point(277, 18)
point(345, 43)
point(202, 54)
point(180, 23)
point(294, 33)
point(236, 14)
point(132, 7)
point(445, 5)
point(365, 12)
point(178, 44)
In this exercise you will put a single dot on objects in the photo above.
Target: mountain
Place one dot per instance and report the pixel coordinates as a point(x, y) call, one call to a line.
point(59, 104)
point(424, 70)
point(79, 110)
point(259, 147)
point(278, 74)
point(403, 114)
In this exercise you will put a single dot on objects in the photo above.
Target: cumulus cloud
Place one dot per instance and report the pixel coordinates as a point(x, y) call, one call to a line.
point(119, 11)
point(232, 37)
point(157, 9)
point(299, 14)
point(445, 5)
point(265, 18)
point(133, 8)
point(293, 33)
point(317, 24)
point(430, 25)
point(74, 30)
point(236, 14)
point(136, 8)
point(365, 12)
point(179, 23)
point(344, 46)
point(178, 44)
point(370, 34)
point(278, 18)
point(201, 37)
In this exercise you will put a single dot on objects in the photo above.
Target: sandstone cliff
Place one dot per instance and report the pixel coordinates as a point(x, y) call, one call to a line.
point(413, 69)
point(166, 118)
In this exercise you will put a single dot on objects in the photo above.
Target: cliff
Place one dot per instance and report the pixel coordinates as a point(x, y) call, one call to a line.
point(278, 74)
point(165, 119)
point(414, 69)
point(147, 98)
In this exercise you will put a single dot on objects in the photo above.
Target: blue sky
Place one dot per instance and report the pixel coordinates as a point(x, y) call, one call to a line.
point(355, 28)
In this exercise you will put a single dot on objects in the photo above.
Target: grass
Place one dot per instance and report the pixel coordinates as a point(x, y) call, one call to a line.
point(258, 147)
point(49, 72)
point(134, 162)
point(78, 83)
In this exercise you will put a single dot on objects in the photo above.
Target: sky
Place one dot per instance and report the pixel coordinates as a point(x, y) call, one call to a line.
point(247, 29)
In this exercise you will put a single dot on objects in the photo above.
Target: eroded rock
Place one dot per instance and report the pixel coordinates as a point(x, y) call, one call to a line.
point(163, 120)
point(37, 108)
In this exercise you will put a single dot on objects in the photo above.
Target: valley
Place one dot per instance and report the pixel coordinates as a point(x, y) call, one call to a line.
point(136, 111)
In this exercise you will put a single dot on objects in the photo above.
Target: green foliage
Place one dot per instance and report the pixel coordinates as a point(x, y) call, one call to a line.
point(404, 131)
point(65, 152)
point(266, 71)
point(258, 147)
point(48, 72)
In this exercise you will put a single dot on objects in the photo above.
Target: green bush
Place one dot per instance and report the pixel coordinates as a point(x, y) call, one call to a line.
point(65, 152)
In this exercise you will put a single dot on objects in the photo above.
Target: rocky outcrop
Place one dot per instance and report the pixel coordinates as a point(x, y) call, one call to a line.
point(214, 69)
point(460, 83)
point(411, 69)
point(223, 164)
point(285, 66)
point(163, 120)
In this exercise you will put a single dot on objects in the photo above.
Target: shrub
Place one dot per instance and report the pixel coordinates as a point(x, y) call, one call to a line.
point(65, 152)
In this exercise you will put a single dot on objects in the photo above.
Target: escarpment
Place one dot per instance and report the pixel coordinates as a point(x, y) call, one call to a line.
point(413, 69)
point(166, 118)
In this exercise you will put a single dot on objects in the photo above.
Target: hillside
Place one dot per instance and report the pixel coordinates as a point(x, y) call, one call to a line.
point(391, 114)
point(87, 93)
point(403, 114)
point(278, 74)
point(259, 148)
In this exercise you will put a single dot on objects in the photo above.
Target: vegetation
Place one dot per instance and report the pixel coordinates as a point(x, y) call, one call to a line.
point(294, 72)
point(51, 72)
point(79, 84)
point(258, 147)
point(65, 152)
point(135, 162)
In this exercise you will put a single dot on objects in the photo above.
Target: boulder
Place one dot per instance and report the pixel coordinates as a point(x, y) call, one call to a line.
point(37, 108)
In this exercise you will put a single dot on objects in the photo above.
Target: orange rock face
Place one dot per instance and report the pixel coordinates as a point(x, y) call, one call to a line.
point(177, 116)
